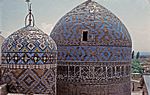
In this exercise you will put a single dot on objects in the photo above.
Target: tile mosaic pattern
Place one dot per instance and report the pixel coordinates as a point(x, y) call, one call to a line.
point(29, 81)
point(28, 45)
point(93, 53)
point(29, 58)
point(29, 62)
point(29, 39)
point(103, 26)
point(103, 61)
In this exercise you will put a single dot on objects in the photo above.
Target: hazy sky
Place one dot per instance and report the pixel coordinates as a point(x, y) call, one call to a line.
point(135, 14)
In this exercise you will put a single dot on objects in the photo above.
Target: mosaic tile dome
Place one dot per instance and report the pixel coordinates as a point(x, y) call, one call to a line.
point(94, 52)
point(31, 41)
point(29, 59)
point(103, 27)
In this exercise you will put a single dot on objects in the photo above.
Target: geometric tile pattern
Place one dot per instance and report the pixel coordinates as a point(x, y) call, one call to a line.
point(94, 53)
point(29, 81)
point(101, 62)
point(108, 38)
point(29, 62)
point(29, 45)
point(29, 39)
point(29, 58)
point(103, 27)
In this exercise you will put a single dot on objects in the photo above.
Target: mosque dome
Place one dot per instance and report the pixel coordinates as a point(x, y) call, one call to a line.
point(28, 40)
point(90, 24)
point(29, 58)
point(102, 27)
point(94, 52)
point(29, 62)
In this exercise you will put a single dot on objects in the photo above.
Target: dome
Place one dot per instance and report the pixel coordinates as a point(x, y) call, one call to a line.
point(31, 41)
point(103, 27)
point(90, 24)
point(94, 52)
point(29, 62)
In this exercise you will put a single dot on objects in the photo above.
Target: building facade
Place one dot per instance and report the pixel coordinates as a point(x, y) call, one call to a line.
point(88, 53)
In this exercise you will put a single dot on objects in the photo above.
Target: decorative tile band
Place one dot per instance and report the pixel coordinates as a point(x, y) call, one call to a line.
point(15, 66)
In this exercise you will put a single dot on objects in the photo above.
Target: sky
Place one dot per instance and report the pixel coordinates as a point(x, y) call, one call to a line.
point(135, 14)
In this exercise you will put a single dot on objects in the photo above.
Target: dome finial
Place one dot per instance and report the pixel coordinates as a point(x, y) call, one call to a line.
point(30, 16)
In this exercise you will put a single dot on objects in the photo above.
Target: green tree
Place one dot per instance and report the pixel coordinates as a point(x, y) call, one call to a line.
point(133, 54)
point(136, 67)
point(137, 55)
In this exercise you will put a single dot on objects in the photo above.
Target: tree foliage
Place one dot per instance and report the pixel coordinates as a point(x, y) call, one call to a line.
point(136, 67)
point(137, 55)
point(133, 54)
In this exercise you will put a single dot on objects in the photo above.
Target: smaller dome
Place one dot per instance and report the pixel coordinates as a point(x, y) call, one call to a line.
point(29, 39)
point(28, 45)
point(29, 60)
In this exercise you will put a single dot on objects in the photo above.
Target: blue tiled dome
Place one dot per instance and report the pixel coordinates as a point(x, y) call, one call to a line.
point(29, 60)
point(106, 37)
point(103, 27)
point(28, 45)
point(94, 52)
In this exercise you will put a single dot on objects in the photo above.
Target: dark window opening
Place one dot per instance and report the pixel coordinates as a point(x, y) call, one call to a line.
point(85, 35)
